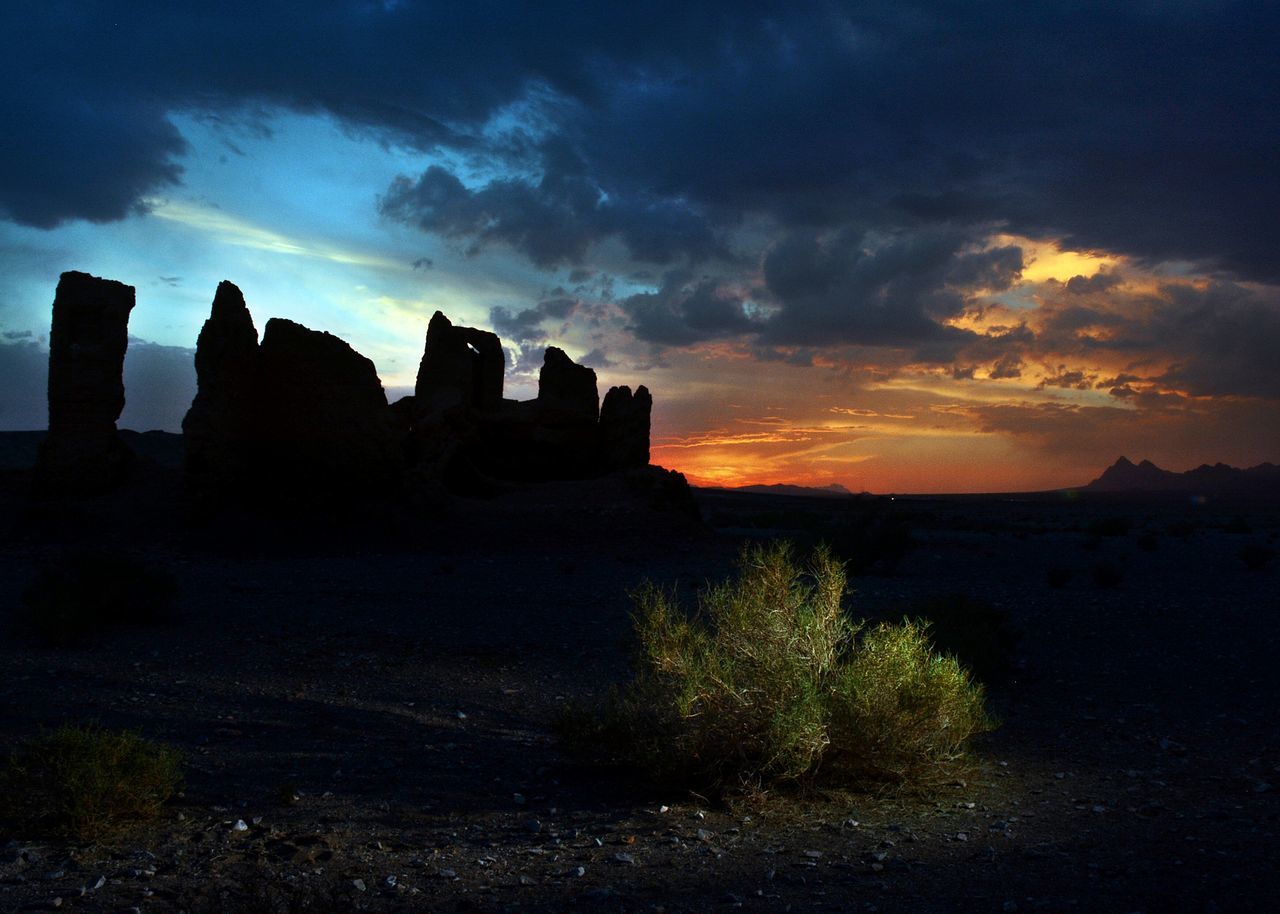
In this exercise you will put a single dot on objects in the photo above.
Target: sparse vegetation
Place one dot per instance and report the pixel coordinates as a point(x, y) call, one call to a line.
point(1256, 556)
point(1110, 526)
point(84, 782)
point(85, 592)
point(873, 541)
point(1058, 577)
point(770, 680)
point(1107, 574)
point(976, 633)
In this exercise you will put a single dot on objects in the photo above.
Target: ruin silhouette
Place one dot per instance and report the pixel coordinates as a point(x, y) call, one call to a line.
point(301, 411)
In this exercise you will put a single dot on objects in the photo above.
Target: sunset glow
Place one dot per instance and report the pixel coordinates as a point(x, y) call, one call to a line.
point(935, 291)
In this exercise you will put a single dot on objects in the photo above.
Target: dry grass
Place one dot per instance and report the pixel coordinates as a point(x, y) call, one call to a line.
point(84, 782)
point(770, 682)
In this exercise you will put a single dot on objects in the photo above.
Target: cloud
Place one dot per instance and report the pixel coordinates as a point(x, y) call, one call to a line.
point(686, 310)
point(689, 118)
point(554, 220)
point(24, 371)
point(851, 287)
point(160, 383)
point(526, 327)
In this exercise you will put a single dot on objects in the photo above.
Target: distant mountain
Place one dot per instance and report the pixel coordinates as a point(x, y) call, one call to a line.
point(835, 490)
point(1219, 479)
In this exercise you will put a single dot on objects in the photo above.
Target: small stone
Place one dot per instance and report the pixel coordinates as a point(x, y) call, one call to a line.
point(625, 859)
point(359, 884)
point(664, 809)
point(527, 880)
point(447, 874)
point(533, 826)
point(704, 835)
point(518, 799)
point(240, 826)
point(390, 881)
point(462, 716)
point(101, 881)
point(580, 871)
point(813, 855)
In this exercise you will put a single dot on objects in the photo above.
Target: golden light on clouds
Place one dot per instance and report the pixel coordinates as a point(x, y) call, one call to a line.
point(1045, 260)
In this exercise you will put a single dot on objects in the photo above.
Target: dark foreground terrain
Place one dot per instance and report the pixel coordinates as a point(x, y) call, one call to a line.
point(403, 680)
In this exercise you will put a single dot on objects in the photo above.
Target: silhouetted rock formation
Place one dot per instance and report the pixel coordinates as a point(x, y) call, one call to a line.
point(322, 417)
point(567, 392)
point(82, 453)
point(461, 369)
point(302, 413)
point(1218, 480)
point(624, 427)
point(463, 432)
point(219, 428)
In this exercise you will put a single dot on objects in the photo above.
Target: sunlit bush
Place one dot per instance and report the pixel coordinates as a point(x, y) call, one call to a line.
point(770, 681)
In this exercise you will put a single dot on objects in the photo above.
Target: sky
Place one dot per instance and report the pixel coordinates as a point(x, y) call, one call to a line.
point(900, 246)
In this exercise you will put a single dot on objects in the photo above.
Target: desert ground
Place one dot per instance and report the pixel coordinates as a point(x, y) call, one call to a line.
point(367, 708)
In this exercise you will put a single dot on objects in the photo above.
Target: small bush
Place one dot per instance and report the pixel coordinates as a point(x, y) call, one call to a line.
point(85, 782)
point(1058, 577)
point(977, 634)
point(771, 678)
point(873, 541)
point(86, 592)
point(1107, 574)
point(1110, 526)
point(900, 712)
point(1256, 556)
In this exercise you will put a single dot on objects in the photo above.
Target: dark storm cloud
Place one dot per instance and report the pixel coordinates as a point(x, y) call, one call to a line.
point(686, 310)
point(552, 221)
point(526, 327)
point(24, 371)
point(1202, 339)
point(160, 383)
point(1144, 129)
point(855, 288)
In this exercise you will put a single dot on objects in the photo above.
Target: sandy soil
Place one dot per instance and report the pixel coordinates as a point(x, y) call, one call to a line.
point(403, 679)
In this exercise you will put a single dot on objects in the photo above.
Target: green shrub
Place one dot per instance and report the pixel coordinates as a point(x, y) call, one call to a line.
point(86, 782)
point(977, 634)
point(770, 678)
point(899, 711)
point(85, 592)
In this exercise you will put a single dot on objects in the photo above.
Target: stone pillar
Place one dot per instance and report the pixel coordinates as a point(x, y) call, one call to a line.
point(624, 428)
point(83, 453)
point(218, 429)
